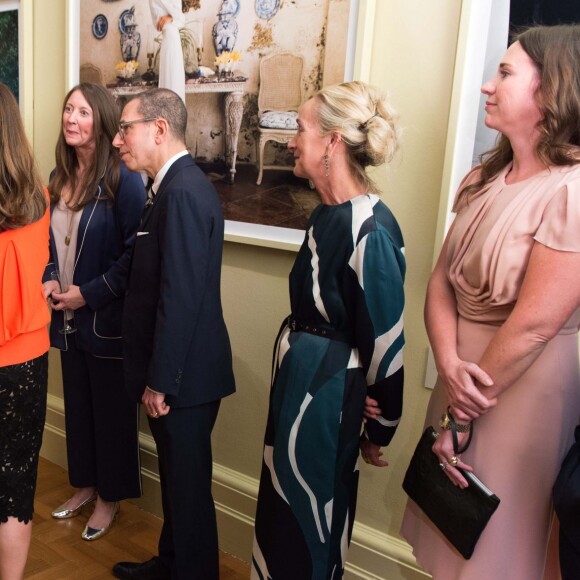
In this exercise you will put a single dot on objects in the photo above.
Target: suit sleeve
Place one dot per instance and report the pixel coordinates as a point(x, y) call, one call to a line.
point(129, 202)
point(186, 238)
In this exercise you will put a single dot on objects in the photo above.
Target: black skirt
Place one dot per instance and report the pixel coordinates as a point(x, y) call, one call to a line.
point(22, 415)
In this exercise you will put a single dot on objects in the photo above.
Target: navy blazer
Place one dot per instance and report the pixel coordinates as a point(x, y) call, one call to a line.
point(176, 341)
point(103, 254)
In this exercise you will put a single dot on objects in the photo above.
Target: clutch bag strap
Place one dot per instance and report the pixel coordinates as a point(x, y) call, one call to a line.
point(453, 426)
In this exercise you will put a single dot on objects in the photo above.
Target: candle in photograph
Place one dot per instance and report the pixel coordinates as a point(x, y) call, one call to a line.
point(151, 33)
point(198, 32)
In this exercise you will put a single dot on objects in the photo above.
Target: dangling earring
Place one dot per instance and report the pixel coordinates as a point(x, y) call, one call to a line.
point(326, 165)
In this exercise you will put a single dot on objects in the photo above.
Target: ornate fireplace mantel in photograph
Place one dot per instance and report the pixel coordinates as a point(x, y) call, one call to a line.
point(233, 108)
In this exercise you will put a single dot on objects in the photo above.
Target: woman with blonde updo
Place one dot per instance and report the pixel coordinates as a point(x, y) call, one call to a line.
point(344, 339)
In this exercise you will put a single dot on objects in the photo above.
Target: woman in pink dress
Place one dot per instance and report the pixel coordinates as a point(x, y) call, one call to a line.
point(503, 312)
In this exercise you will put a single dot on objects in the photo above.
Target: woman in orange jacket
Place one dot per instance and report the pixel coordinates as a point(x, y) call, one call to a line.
point(24, 315)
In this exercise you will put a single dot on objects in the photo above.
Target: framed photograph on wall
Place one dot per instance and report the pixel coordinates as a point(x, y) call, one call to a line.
point(16, 55)
point(254, 41)
point(9, 47)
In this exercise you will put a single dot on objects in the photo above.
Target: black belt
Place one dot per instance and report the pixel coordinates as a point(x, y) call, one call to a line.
point(300, 326)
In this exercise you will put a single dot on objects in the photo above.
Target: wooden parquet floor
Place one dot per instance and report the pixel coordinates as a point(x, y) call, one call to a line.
point(57, 551)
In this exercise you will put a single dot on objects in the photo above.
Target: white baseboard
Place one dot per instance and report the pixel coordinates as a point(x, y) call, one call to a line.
point(373, 555)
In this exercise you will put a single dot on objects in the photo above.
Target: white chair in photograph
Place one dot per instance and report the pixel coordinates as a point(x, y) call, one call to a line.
point(279, 97)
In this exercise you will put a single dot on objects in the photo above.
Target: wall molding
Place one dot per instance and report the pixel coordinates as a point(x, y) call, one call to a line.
point(373, 555)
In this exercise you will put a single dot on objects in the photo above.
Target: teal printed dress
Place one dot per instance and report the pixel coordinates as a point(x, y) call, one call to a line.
point(347, 281)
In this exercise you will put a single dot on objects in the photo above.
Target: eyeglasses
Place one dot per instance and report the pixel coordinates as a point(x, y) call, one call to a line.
point(124, 124)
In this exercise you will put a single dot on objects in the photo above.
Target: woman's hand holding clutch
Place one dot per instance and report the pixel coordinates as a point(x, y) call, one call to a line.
point(448, 460)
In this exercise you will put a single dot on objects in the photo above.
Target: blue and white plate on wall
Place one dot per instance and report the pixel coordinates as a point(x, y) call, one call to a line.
point(127, 19)
point(100, 26)
point(267, 8)
point(229, 7)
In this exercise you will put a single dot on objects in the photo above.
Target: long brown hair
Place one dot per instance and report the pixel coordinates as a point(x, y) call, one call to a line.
point(105, 164)
point(22, 197)
point(555, 50)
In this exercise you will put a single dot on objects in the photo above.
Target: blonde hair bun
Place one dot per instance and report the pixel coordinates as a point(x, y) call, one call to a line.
point(367, 123)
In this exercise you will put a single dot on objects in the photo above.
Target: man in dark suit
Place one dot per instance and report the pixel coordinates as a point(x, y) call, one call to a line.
point(178, 359)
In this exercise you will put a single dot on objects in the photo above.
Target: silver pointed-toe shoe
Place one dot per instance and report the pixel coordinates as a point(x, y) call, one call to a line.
point(89, 534)
point(62, 513)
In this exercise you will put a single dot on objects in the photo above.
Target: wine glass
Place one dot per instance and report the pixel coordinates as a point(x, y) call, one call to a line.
point(62, 280)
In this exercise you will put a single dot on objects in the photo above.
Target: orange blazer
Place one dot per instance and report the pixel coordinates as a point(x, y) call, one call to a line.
point(24, 313)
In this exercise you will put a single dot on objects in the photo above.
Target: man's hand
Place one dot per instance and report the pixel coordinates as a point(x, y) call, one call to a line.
point(154, 403)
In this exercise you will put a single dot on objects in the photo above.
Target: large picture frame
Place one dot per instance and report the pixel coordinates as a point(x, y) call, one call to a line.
point(483, 37)
point(359, 42)
point(25, 10)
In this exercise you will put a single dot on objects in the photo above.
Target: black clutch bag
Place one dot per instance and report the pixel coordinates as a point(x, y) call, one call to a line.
point(460, 514)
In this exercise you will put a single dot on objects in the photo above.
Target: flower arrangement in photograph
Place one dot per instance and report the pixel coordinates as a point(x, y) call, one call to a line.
point(225, 61)
point(126, 70)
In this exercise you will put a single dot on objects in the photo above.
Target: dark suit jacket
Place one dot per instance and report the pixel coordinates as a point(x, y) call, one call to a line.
point(175, 337)
point(103, 254)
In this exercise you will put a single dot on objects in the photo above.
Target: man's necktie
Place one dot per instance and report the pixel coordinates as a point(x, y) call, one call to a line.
point(150, 192)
